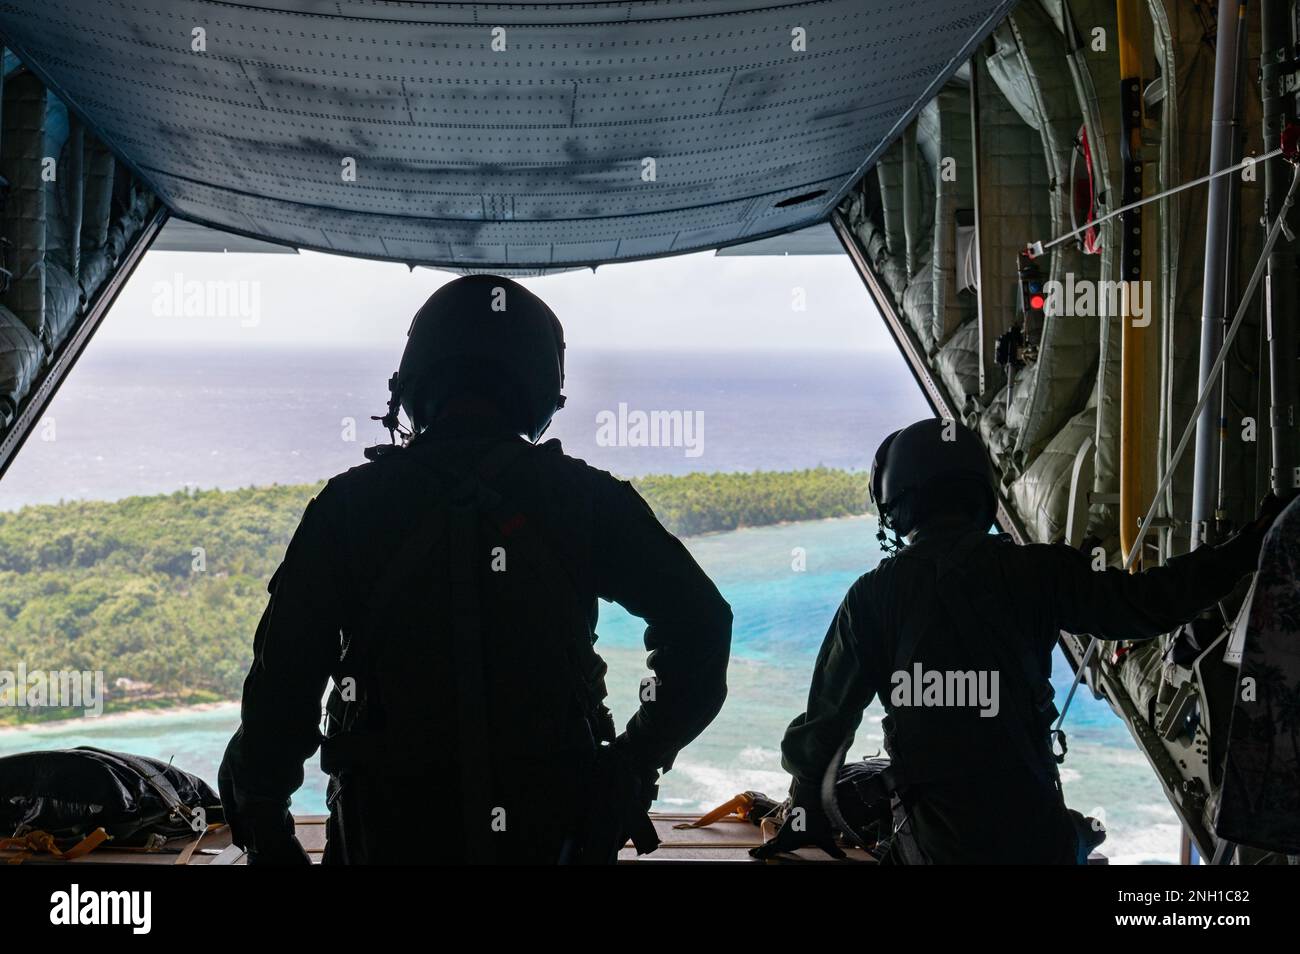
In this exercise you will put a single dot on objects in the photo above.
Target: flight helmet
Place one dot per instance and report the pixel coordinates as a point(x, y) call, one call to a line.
point(484, 333)
point(918, 468)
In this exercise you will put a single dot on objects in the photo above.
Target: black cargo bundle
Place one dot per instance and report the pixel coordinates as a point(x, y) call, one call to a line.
point(70, 793)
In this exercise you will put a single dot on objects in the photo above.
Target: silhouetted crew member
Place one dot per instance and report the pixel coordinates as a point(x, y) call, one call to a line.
point(449, 588)
point(977, 777)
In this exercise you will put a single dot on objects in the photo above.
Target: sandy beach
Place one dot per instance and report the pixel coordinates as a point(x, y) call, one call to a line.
point(111, 718)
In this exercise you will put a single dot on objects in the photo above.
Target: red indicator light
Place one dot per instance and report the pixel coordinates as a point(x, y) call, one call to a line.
point(1037, 302)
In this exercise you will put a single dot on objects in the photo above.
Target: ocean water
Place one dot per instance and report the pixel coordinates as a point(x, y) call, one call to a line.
point(126, 424)
point(154, 420)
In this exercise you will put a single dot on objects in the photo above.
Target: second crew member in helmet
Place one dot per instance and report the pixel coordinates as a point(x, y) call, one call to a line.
point(930, 628)
point(448, 589)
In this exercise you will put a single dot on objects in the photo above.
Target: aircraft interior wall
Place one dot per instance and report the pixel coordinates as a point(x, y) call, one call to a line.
point(1044, 85)
point(70, 211)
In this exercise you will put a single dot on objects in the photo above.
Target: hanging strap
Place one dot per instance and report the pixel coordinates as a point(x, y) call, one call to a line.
point(186, 853)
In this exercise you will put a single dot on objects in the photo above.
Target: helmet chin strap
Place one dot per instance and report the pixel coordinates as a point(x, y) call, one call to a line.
point(391, 420)
point(888, 547)
point(559, 404)
point(392, 423)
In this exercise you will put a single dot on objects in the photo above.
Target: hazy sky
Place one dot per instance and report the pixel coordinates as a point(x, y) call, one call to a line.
point(698, 301)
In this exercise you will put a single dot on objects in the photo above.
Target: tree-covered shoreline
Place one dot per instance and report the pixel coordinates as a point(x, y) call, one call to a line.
point(165, 591)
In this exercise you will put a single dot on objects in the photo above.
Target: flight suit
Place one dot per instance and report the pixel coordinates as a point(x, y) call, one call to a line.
point(537, 751)
point(969, 795)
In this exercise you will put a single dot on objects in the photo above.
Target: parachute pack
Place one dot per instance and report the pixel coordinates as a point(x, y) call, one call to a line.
point(68, 802)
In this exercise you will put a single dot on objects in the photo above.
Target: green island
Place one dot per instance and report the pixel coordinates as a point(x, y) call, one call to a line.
point(163, 593)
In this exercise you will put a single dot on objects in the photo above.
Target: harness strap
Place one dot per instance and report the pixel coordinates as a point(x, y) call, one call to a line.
point(909, 847)
point(526, 542)
point(430, 528)
point(458, 520)
point(467, 656)
point(431, 524)
point(989, 653)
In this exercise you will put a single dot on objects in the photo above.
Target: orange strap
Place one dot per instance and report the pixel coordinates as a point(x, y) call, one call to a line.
point(739, 806)
point(43, 841)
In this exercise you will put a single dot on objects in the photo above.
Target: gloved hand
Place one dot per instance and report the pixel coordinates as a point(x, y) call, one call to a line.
point(621, 795)
point(806, 825)
point(265, 829)
point(280, 851)
point(1088, 832)
point(1270, 508)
